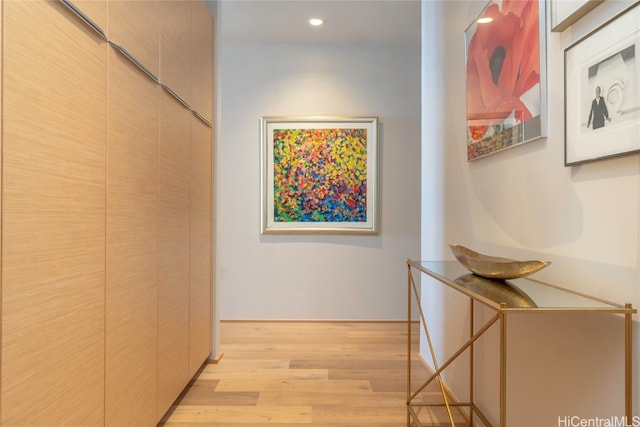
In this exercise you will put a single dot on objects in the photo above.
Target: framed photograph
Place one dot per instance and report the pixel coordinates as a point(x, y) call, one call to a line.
point(566, 12)
point(602, 91)
point(505, 51)
point(319, 175)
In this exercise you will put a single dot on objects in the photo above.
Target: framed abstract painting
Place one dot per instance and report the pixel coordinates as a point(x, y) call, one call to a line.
point(602, 91)
point(506, 89)
point(319, 175)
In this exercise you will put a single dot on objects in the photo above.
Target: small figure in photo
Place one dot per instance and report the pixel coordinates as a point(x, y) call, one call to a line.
point(598, 111)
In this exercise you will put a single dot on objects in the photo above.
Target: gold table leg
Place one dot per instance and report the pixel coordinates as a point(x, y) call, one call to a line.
point(473, 336)
point(503, 367)
point(433, 354)
point(408, 344)
point(628, 363)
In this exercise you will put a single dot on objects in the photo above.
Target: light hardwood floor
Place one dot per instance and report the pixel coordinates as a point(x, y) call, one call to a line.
point(324, 374)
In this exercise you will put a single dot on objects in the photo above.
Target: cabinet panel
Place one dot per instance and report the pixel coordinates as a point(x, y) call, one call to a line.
point(175, 47)
point(202, 60)
point(53, 143)
point(132, 245)
point(96, 10)
point(201, 251)
point(173, 284)
point(134, 25)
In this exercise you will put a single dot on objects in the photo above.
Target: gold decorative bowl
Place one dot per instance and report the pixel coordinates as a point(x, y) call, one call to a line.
point(493, 267)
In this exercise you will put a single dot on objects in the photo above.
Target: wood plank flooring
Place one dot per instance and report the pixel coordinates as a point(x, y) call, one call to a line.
point(322, 374)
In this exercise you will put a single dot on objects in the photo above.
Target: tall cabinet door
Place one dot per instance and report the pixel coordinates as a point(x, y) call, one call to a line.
point(53, 235)
point(132, 245)
point(173, 282)
point(174, 209)
point(201, 245)
point(200, 328)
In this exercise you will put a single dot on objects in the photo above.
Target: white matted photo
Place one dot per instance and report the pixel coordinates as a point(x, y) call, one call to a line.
point(602, 91)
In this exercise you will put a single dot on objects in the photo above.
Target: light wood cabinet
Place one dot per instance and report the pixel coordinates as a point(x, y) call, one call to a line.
point(53, 214)
point(132, 245)
point(200, 290)
point(106, 271)
point(174, 237)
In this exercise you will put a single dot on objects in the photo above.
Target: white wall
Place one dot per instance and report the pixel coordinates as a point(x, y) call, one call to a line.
point(306, 276)
point(523, 203)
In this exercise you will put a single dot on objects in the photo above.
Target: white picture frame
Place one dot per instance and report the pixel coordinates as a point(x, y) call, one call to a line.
point(319, 175)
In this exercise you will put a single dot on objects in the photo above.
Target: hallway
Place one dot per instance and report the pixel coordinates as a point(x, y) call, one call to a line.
point(305, 373)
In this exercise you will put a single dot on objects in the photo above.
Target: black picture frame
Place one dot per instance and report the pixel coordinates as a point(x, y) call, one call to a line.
point(606, 61)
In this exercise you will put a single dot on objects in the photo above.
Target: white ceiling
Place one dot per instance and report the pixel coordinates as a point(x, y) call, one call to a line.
point(346, 21)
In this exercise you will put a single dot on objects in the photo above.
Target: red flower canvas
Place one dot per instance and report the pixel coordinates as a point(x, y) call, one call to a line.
point(502, 74)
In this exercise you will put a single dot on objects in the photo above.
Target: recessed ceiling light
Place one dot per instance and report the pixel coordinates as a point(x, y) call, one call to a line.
point(485, 20)
point(316, 21)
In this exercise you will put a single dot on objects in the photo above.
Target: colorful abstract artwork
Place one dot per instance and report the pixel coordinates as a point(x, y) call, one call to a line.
point(505, 76)
point(319, 175)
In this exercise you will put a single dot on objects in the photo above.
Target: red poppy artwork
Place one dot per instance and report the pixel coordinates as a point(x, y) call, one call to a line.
point(504, 76)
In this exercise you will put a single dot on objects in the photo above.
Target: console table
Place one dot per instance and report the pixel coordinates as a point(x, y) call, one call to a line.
point(525, 295)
